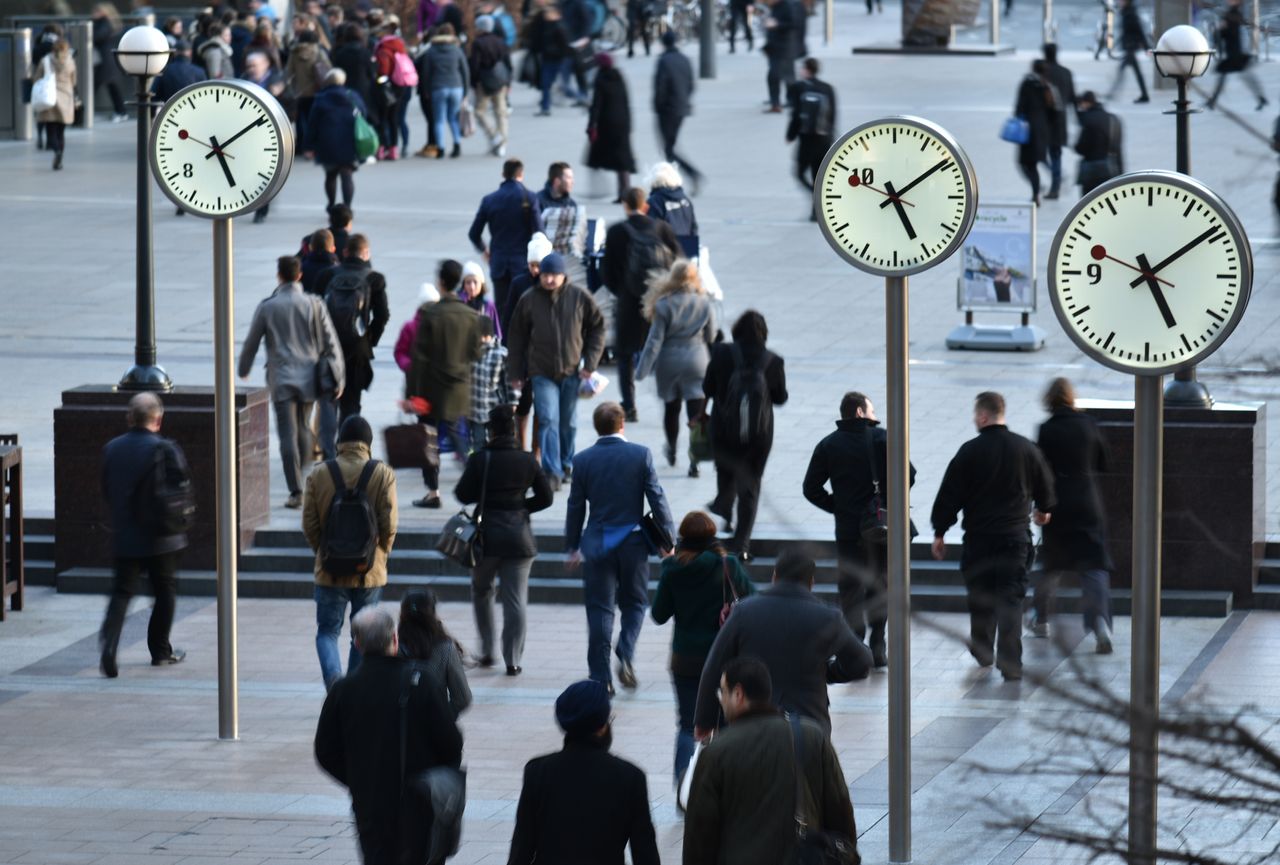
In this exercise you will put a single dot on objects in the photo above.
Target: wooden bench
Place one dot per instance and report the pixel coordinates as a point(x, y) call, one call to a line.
point(12, 567)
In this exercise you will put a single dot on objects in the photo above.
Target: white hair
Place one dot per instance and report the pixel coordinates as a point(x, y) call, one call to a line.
point(664, 175)
point(335, 76)
point(373, 630)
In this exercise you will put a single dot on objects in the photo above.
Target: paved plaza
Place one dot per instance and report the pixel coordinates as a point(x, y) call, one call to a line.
point(130, 771)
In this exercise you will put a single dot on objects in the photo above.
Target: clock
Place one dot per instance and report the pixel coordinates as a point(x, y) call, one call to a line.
point(895, 196)
point(221, 148)
point(1150, 272)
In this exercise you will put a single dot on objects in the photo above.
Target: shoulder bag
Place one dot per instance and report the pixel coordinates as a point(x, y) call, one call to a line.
point(461, 538)
point(727, 592)
point(875, 520)
point(44, 92)
point(437, 795)
point(326, 377)
point(813, 845)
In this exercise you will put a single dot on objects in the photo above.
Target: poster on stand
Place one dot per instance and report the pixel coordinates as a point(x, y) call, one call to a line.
point(998, 260)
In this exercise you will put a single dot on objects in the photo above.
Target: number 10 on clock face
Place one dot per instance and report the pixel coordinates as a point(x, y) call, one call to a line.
point(1150, 272)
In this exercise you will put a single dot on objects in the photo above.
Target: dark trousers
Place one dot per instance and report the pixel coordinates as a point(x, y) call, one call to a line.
point(738, 13)
point(1031, 171)
point(637, 26)
point(863, 587)
point(619, 578)
point(431, 474)
point(627, 379)
point(1055, 168)
point(55, 136)
point(101, 72)
point(669, 127)
point(424, 102)
point(1095, 591)
point(738, 479)
point(686, 688)
point(162, 572)
point(995, 576)
point(501, 289)
point(303, 113)
point(809, 153)
point(1130, 60)
point(780, 72)
point(671, 417)
point(334, 173)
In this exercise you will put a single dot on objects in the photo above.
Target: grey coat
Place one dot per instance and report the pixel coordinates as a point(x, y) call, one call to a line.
point(684, 324)
point(299, 333)
point(445, 66)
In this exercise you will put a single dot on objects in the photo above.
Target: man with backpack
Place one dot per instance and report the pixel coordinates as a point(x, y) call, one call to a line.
point(356, 296)
point(634, 250)
point(813, 123)
point(304, 361)
point(491, 74)
point(349, 517)
point(148, 490)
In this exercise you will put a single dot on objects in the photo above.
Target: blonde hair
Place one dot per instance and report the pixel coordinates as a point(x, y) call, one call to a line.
point(683, 276)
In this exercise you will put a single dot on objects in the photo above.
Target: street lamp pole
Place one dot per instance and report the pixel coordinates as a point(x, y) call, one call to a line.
point(142, 54)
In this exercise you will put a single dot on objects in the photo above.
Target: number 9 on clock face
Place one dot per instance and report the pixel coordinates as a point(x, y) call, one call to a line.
point(1150, 272)
point(895, 196)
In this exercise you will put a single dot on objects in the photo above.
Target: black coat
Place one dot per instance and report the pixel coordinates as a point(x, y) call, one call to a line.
point(1133, 36)
point(844, 459)
point(1035, 105)
point(358, 743)
point(994, 478)
point(1234, 56)
point(357, 61)
point(359, 353)
point(610, 118)
point(716, 387)
point(629, 289)
point(128, 473)
point(1075, 539)
point(582, 805)
point(512, 474)
point(673, 84)
point(782, 42)
point(1063, 82)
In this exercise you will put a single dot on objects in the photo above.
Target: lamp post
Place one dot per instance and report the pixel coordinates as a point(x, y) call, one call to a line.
point(143, 53)
point(1182, 54)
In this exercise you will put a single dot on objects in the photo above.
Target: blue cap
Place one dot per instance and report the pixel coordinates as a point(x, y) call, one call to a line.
point(553, 263)
point(583, 708)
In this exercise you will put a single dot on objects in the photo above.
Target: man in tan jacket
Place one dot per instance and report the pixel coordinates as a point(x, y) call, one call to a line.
point(333, 593)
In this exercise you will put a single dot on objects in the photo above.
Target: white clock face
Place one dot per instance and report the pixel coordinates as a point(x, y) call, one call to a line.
point(1150, 272)
point(895, 196)
point(221, 148)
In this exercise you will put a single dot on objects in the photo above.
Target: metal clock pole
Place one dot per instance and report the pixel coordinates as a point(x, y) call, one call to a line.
point(224, 409)
point(898, 569)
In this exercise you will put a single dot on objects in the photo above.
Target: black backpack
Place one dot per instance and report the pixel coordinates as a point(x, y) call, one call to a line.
point(164, 500)
point(350, 538)
point(746, 415)
point(645, 253)
point(814, 111)
point(347, 297)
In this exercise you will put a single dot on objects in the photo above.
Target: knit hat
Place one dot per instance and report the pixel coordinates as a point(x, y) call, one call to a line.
point(539, 247)
point(669, 38)
point(583, 708)
point(484, 23)
point(355, 429)
point(473, 269)
point(553, 263)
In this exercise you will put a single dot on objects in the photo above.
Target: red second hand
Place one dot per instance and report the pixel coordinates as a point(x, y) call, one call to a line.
point(856, 181)
point(1099, 252)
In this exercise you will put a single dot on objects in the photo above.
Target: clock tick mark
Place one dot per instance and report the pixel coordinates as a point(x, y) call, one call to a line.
point(1215, 315)
point(1110, 337)
point(1184, 341)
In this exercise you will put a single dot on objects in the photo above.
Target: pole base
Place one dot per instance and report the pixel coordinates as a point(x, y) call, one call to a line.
point(142, 378)
point(1187, 394)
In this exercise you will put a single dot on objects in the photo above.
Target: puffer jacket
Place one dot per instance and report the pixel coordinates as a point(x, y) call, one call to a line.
point(382, 495)
point(551, 331)
point(443, 66)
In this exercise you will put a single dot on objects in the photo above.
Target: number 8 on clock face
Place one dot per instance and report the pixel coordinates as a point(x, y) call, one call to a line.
point(1150, 272)
point(895, 196)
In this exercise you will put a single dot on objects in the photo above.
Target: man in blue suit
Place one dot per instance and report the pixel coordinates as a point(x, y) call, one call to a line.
point(615, 477)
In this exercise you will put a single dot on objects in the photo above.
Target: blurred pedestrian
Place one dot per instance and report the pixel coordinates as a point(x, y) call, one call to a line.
point(763, 760)
point(782, 48)
point(321, 255)
point(609, 125)
point(178, 72)
point(50, 33)
point(854, 460)
point(1099, 145)
point(565, 219)
point(640, 15)
point(107, 30)
point(351, 54)
point(697, 581)
point(55, 119)
point(673, 101)
point(216, 53)
point(681, 330)
point(491, 74)
point(1235, 58)
point(512, 487)
point(1035, 104)
point(331, 131)
point(740, 12)
point(549, 39)
point(1133, 40)
point(304, 74)
point(995, 479)
point(744, 382)
point(142, 474)
point(1075, 541)
point(613, 480)
point(423, 638)
point(1063, 83)
point(394, 64)
point(356, 296)
point(449, 78)
point(669, 203)
point(582, 804)
point(813, 123)
point(804, 643)
point(513, 216)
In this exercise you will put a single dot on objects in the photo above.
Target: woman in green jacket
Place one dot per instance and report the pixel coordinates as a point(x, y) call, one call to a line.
point(696, 582)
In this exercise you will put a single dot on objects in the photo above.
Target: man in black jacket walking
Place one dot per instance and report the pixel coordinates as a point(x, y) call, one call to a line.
point(813, 122)
point(357, 741)
point(994, 478)
point(359, 334)
point(781, 45)
point(672, 94)
point(1133, 39)
point(1099, 145)
point(1060, 78)
point(583, 804)
point(853, 459)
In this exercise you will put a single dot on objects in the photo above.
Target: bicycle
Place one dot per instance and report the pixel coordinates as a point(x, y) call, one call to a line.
point(608, 29)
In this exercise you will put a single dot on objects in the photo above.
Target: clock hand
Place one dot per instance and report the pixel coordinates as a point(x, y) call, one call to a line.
point(217, 151)
point(186, 136)
point(913, 184)
point(1210, 232)
point(254, 125)
point(855, 181)
point(1156, 291)
point(902, 213)
point(1099, 252)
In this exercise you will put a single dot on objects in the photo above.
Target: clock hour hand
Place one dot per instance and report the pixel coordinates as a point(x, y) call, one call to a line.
point(896, 201)
point(1156, 291)
point(1210, 232)
point(222, 160)
point(913, 184)
point(254, 125)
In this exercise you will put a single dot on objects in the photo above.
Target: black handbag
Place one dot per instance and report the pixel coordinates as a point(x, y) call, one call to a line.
point(327, 384)
point(875, 520)
point(461, 538)
point(814, 846)
point(655, 534)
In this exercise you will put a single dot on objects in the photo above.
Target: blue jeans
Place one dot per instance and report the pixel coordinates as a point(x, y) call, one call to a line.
point(555, 407)
point(331, 606)
point(553, 69)
point(686, 688)
point(445, 103)
point(618, 578)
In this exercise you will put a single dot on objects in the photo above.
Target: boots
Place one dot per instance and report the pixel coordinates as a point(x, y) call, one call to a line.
point(393, 153)
point(457, 150)
point(381, 154)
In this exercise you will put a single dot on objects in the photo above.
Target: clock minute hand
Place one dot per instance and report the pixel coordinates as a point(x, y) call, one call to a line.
point(1156, 292)
point(1175, 256)
point(254, 125)
point(913, 184)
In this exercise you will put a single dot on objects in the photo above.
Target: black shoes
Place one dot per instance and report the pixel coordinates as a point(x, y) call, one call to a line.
point(670, 452)
point(631, 416)
point(693, 471)
point(1141, 99)
point(108, 665)
point(57, 161)
point(175, 656)
point(456, 152)
point(627, 675)
point(514, 671)
point(430, 500)
point(879, 656)
point(485, 661)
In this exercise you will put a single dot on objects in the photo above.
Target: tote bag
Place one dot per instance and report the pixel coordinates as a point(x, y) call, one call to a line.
point(44, 92)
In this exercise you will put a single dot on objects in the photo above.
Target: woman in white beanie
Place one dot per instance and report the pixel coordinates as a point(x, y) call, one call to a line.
point(475, 294)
